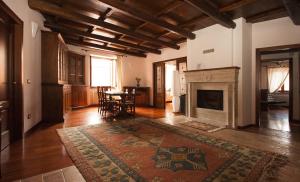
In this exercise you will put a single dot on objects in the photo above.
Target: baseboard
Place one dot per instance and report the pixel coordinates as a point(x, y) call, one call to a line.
point(246, 126)
point(34, 128)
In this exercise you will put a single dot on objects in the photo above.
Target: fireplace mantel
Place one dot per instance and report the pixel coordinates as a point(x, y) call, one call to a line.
point(225, 79)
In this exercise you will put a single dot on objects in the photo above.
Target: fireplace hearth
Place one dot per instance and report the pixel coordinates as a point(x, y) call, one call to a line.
point(210, 99)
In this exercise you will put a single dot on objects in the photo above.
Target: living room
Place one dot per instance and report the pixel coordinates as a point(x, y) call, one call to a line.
point(217, 55)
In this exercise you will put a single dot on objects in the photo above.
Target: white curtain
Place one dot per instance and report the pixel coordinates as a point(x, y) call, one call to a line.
point(276, 78)
point(119, 71)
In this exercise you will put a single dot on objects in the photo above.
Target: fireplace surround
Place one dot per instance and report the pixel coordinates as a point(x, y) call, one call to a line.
point(212, 95)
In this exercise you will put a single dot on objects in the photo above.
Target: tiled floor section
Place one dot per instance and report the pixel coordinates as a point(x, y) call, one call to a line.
point(68, 174)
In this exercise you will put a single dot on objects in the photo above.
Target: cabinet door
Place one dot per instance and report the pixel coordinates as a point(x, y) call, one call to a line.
point(72, 69)
point(80, 70)
point(159, 85)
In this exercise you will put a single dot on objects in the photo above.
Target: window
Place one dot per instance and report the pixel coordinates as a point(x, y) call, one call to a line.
point(103, 72)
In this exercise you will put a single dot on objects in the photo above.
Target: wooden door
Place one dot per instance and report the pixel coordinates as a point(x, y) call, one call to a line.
point(159, 85)
point(4, 83)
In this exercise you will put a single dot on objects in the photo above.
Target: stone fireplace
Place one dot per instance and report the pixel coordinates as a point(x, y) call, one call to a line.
point(212, 95)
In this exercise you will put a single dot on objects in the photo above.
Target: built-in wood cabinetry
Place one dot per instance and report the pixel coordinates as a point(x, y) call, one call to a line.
point(77, 80)
point(79, 96)
point(142, 95)
point(76, 69)
point(56, 93)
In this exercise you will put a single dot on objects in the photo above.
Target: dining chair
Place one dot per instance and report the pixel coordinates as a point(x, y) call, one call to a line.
point(130, 101)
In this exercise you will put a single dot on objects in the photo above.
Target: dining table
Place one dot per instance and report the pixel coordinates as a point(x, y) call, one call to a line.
point(114, 94)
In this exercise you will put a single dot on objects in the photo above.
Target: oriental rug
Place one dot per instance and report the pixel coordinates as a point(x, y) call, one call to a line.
point(201, 126)
point(144, 150)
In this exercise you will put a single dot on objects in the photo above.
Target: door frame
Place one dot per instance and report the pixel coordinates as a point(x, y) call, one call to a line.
point(178, 60)
point(15, 83)
point(272, 50)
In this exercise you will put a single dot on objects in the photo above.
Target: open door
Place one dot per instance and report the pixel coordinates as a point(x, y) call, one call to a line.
point(159, 84)
point(11, 96)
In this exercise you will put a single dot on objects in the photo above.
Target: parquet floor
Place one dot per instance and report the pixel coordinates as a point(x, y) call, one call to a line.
point(41, 151)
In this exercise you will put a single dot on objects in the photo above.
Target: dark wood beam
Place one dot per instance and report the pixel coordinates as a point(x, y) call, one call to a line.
point(235, 5)
point(102, 17)
point(212, 12)
point(141, 15)
point(293, 9)
point(103, 47)
point(68, 31)
point(52, 9)
point(226, 8)
point(171, 6)
point(267, 15)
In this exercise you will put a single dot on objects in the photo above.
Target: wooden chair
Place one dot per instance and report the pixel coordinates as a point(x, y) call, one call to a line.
point(100, 92)
point(130, 101)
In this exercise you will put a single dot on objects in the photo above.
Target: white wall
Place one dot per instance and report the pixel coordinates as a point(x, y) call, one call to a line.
point(268, 34)
point(232, 47)
point(145, 66)
point(31, 62)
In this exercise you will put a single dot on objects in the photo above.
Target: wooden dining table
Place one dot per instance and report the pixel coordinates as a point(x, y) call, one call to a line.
point(123, 111)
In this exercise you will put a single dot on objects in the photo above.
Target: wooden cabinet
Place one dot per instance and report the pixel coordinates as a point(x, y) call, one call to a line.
point(54, 58)
point(56, 94)
point(76, 69)
point(142, 95)
point(56, 102)
point(79, 96)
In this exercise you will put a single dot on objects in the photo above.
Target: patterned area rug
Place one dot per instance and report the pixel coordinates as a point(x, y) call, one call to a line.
point(201, 126)
point(143, 150)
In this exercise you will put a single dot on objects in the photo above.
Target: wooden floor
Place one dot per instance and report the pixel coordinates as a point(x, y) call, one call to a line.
point(41, 151)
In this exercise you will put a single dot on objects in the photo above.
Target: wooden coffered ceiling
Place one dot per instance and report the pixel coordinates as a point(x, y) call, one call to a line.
point(137, 27)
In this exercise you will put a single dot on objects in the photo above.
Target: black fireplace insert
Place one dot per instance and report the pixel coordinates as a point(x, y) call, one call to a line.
point(210, 99)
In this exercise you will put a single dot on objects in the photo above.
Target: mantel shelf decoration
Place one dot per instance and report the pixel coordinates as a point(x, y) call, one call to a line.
point(138, 81)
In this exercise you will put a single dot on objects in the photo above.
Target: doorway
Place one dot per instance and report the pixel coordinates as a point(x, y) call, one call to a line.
point(11, 96)
point(277, 83)
point(169, 83)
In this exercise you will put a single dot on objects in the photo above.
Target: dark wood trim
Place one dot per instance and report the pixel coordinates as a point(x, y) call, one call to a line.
point(168, 60)
point(270, 50)
point(246, 126)
point(223, 68)
point(291, 90)
point(257, 85)
point(178, 60)
point(16, 83)
point(275, 60)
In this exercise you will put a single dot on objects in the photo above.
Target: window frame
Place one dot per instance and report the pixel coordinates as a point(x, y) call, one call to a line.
point(91, 78)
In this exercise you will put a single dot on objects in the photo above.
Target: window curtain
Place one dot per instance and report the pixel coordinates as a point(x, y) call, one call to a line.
point(276, 78)
point(119, 72)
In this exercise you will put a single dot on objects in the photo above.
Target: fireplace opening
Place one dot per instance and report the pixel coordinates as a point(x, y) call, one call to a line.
point(210, 99)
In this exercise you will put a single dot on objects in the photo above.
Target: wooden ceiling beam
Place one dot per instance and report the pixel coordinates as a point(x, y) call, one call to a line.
point(52, 9)
point(293, 9)
point(68, 31)
point(103, 47)
point(267, 15)
point(102, 17)
point(226, 8)
point(235, 5)
point(171, 6)
point(141, 15)
point(212, 12)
